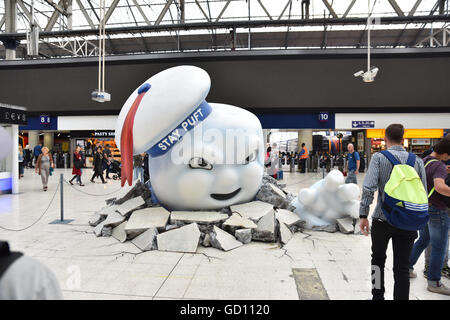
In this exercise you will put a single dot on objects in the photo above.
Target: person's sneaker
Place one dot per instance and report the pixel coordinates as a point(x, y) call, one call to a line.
point(425, 272)
point(446, 272)
point(440, 288)
point(412, 274)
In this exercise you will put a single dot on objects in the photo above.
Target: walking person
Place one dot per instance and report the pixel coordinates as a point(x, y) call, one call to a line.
point(138, 169)
point(77, 165)
point(383, 230)
point(107, 155)
point(436, 231)
point(352, 164)
point(37, 151)
point(271, 161)
point(98, 165)
point(21, 161)
point(43, 164)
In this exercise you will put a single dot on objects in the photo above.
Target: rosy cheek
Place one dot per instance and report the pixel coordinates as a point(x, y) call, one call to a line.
point(194, 186)
point(250, 177)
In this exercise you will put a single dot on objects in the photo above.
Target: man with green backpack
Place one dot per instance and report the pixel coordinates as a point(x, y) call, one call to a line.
point(401, 210)
point(436, 231)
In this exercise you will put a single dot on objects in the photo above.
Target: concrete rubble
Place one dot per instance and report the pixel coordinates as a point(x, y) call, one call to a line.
point(143, 219)
point(146, 241)
point(265, 230)
point(130, 205)
point(345, 225)
point(244, 235)
point(119, 232)
point(220, 239)
point(184, 239)
point(254, 210)
point(132, 216)
point(200, 217)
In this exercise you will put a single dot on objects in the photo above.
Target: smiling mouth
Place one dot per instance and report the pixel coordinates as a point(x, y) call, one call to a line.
point(225, 196)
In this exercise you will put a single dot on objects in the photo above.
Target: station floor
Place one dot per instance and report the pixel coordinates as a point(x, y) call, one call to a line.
point(90, 268)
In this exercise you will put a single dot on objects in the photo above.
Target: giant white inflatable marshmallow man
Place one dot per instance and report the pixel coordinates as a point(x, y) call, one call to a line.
point(201, 155)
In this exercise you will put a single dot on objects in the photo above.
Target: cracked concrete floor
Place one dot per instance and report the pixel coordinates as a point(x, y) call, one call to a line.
point(102, 268)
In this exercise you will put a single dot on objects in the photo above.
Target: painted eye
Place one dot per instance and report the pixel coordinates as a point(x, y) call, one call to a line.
point(199, 163)
point(251, 157)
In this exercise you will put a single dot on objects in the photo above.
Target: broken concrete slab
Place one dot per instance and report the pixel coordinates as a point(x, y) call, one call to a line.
point(254, 210)
point(107, 231)
point(345, 225)
point(223, 240)
point(98, 228)
point(130, 205)
point(114, 219)
point(96, 219)
point(184, 239)
point(200, 217)
point(277, 191)
point(285, 233)
point(119, 232)
point(244, 235)
point(265, 230)
point(332, 228)
point(143, 219)
point(147, 240)
point(107, 210)
point(287, 217)
point(171, 226)
point(236, 222)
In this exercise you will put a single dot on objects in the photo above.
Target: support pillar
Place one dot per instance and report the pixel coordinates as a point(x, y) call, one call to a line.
point(305, 136)
point(33, 138)
point(49, 140)
point(10, 27)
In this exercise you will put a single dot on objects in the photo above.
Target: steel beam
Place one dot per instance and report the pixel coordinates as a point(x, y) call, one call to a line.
point(245, 24)
point(265, 10)
point(414, 8)
point(163, 12)
point(85, 14)
point(51, 22)
point(350, 6)
point(330, 8)
point(396, 8)
point(223, 10)
point(56, 7)
point(141, 11)
point(284, 9)
point(203, 11)
point(110, 11)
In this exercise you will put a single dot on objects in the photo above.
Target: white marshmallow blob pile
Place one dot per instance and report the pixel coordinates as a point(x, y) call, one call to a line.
point(327, 200)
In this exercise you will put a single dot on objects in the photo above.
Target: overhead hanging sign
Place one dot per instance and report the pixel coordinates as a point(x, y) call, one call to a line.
point(363, 124)
point(12, 115)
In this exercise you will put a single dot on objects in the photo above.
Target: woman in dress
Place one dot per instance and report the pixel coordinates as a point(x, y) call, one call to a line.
point(43, 164)
point(77, 165)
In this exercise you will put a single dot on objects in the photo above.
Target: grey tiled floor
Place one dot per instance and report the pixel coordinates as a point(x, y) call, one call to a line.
point(111, 270)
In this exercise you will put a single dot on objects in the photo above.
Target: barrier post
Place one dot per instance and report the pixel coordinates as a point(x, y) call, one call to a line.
point(61, 183)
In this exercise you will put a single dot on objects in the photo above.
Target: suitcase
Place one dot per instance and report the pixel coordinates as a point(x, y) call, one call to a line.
point(280, 175)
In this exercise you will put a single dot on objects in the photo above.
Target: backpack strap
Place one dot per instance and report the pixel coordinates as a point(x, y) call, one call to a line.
point(7, 257)
point(428, 162)
point(411, 160)
point(390, 157)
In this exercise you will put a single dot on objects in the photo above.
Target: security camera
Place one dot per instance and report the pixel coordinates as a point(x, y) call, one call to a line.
point(359, 73)
point(368, 76)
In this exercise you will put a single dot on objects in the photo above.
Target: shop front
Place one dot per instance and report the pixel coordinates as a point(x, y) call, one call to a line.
point(416, 141)
point(87, 140)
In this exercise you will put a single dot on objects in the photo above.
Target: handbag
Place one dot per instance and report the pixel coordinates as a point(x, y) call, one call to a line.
point(51, 170)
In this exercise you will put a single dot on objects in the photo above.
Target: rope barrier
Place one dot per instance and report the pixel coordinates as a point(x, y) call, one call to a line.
point(42, 215)
point(91, 194)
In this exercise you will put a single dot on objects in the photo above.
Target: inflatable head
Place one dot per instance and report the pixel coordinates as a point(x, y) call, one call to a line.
point(201, 155)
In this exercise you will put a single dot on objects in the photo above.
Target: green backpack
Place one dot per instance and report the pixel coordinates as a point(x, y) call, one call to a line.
point(405, 201)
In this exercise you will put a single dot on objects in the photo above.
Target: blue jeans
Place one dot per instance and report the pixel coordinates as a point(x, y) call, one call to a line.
point(351, 176)
point(435, 232)
point(138, 173)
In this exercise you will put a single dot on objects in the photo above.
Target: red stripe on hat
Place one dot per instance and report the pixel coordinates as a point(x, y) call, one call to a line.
point(126, 143)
